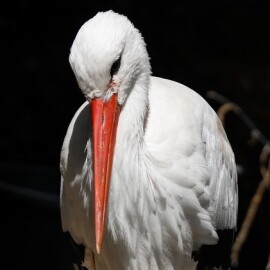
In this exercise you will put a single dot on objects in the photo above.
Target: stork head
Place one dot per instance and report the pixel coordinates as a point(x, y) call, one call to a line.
point(108, 57)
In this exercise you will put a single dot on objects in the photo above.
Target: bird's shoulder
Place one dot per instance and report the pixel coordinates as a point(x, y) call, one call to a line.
point(178, 104)
point(175, 120)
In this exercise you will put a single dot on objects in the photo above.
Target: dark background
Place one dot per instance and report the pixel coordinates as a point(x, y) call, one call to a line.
point(206, 45)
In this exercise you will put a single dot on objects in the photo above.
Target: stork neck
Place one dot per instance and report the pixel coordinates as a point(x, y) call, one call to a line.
point(129, 157)
point(129, 153)
point(134, 115)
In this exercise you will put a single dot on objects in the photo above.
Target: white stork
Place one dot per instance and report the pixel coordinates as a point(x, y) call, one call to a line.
point(148, 174)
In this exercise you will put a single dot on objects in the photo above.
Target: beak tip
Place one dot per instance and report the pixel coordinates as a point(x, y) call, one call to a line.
point(98, 247)
point(99, 240)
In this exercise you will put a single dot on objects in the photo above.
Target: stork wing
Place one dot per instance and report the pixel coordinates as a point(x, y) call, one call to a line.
point(76, 170)
point(189, 146)
point(223, 182)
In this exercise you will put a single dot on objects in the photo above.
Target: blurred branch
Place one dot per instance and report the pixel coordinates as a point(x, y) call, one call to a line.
point(224, 109)
point(35, 196)
point(264, 159)
point(227, 106)
point(249, 218)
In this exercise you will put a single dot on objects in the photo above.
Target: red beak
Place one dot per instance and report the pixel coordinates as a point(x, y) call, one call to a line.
point(105, 115)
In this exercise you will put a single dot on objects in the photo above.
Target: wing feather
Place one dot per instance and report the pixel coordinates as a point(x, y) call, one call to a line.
point(76, 180)
point(221, 162)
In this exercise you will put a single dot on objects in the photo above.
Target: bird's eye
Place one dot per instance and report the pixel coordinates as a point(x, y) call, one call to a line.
point(115, 66)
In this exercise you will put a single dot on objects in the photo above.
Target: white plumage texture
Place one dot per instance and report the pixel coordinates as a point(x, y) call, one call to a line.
point(173, 181)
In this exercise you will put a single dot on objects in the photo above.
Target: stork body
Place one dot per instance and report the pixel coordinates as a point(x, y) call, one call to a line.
point(173, 176)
